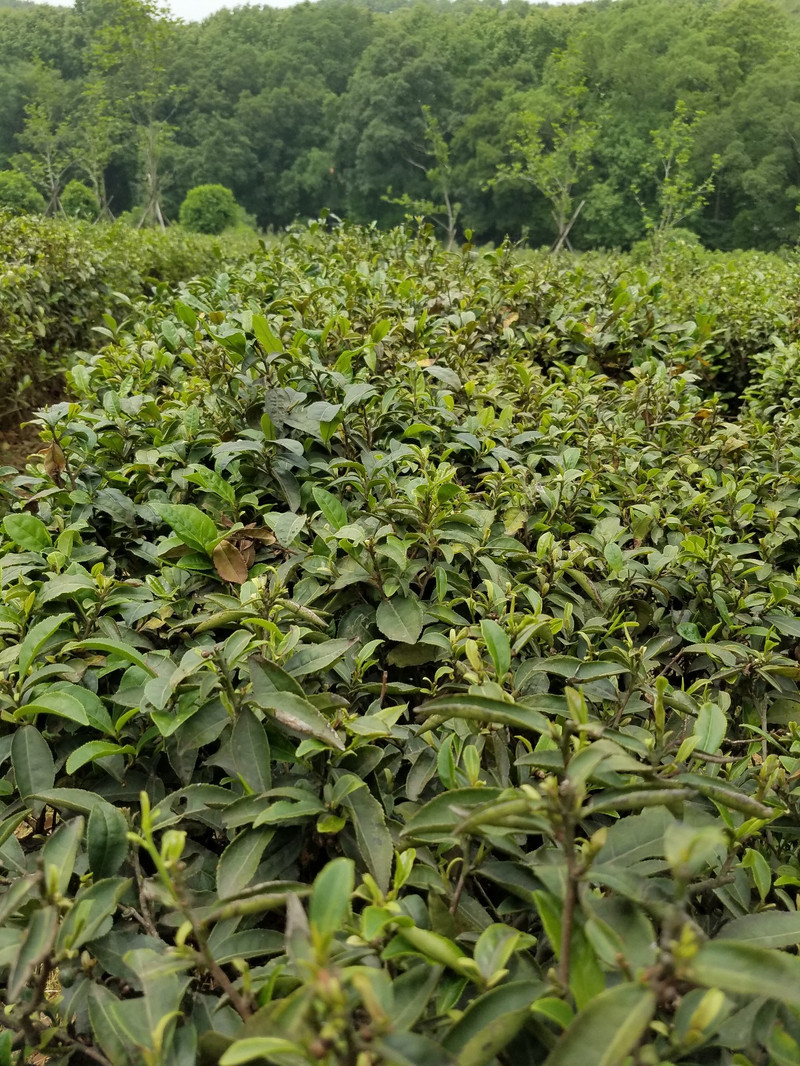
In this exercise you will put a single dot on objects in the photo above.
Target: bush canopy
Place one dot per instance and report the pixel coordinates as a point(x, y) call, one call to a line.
point(209, 209)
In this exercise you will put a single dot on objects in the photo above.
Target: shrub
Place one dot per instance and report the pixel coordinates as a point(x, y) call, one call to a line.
point(80, 202)
point(19, 195)
point(384, 682)
point(674, 241)
point(209, 209)
point(56, 280)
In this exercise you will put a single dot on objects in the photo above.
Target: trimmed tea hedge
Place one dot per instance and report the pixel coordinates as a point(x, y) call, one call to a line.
point(400, 666)
point(56, 281)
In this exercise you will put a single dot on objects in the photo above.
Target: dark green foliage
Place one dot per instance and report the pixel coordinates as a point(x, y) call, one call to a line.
point(327, 105)
point(78, 201)
point(208, 209)
point(400, 667)
point(59, 279)
point(18, 194)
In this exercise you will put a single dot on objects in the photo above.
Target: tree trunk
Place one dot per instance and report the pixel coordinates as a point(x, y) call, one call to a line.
point(563, 235)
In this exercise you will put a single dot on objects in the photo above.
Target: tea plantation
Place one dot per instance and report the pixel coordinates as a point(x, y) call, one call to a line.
point(400, 667)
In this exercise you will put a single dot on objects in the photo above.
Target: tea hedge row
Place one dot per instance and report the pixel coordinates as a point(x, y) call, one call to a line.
point(56, 281)
point(383, 682)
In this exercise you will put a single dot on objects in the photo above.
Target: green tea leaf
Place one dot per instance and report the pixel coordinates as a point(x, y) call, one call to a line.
point(373, 838)
point(485, 709)
point(36, 945)
point(251, 753)
point(28, 531)
point(53, 701)
point(239, 861)
point(433, 946)
point(268, 340)
point(710, 727)
point(267, 677)
point(332, 508)
point(110, 1034)
point(69, 799)
point(313, 658)
point(298, 715)
point(400, 619)
point(94, 749)
point(112, 647)
point(92, 913)
point(254, 1048)
point(211, 481)
point(186, 314)
point(786, 624)
point(606, 1031)
point(330, 899)
point(194, 528)
point(770, 929)
point(32, 760)
point(498, 645)
point(61, 850)
point(35, 639)
point(491, 1022)
point(745, 969)
point(107, 840)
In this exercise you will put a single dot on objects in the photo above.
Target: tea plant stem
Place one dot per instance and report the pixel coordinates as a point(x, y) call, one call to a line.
point(724, 876)
point(570, 898)
point(376, 569)
point(621, 708)
point(673, 661)
point(61, 1041)
point(764, 727)
point(711, 883)
point(221, 979)
point(462, 880)
point(723, 760)
point(144, 917)
point(384, 686)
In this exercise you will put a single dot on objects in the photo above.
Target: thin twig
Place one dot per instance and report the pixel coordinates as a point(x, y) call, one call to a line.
point(224, 983)
point(570, 898)
point(462, 880)
point(711, 883)
point(145, 917)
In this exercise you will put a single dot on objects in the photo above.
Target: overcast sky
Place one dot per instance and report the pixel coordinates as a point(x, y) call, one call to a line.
point(193, 10)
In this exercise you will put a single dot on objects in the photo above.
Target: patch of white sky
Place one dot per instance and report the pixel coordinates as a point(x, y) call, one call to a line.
point(195, 10)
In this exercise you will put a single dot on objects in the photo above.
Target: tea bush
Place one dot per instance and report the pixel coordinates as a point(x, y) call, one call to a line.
point(400, 667)
point(56, 281)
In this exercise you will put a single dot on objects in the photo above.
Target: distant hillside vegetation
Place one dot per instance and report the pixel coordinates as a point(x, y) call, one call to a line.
point(481, 116)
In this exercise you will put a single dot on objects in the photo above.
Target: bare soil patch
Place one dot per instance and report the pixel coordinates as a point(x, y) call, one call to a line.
point(17, 444)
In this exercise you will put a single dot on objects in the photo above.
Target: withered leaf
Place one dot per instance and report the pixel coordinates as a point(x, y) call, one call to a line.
point(229, 562)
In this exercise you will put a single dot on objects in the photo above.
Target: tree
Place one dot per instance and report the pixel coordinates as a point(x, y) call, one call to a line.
point(96, 140)
point(440, 176)
point(553, 147)
point(324, 105)
point(45, 140)
point(381, 126)
point(678, 196)
point(130, 54)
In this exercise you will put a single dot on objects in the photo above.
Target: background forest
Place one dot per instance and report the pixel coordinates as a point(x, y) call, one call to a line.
point(335, 103)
